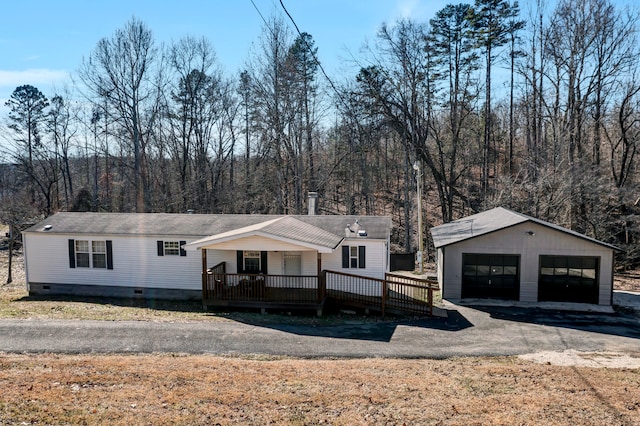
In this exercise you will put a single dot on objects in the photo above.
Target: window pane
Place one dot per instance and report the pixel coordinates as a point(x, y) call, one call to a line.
point(497, 270)
point(354, 262)
point(82, 260)
point(353, 251)
point(510, 270)
point(98, 247)
point(470, 270)
point(546, 271)
point(99, 260)
point(82, 246)
point(483, 270)
point(561, 271)
point(251, 264)
point(575, 272)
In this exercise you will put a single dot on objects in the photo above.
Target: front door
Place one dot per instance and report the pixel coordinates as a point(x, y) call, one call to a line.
point(292, 264)
point(491, 276)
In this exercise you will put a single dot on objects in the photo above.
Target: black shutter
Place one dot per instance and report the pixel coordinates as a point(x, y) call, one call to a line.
point(263, 262)
point(345, 256)
point(160, 248)
point(183, 252)
point(109, 255)
point(72, 254)
point(240, 260)
point(361, 257)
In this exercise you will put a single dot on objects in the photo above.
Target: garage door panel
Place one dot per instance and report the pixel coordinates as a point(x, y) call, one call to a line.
point(571, 279)
point(491, 276)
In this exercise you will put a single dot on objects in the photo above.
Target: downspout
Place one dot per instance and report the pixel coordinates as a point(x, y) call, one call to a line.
point(613, 264)
point(26, 269)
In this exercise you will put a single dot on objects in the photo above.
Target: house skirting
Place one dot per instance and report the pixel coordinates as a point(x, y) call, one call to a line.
point(113, 291)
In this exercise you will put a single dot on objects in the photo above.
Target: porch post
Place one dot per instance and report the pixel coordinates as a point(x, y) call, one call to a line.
point(204, 274)
point(322, 284)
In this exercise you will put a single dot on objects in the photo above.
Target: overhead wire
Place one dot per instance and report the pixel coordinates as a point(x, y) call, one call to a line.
point(313, 54)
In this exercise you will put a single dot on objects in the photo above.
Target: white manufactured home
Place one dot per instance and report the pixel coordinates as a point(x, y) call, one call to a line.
point(503, 254)
point(178, 256)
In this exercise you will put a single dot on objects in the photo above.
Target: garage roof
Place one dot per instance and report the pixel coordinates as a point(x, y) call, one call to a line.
point(491, 221)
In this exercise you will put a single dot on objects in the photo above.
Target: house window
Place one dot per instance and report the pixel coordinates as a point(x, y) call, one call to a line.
point(171, 248)
point(91, 254)
point(251, 261)
point(354, 257)
point(82, 254)
point(99, 254)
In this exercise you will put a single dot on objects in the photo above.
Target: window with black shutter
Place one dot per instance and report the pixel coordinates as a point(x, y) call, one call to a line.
point(96, 254)
point(353, 257)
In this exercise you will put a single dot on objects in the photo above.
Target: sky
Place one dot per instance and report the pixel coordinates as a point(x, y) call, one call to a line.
point(42, 43)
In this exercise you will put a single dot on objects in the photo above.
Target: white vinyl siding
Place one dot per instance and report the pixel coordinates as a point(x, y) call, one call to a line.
point(376, 258)
point(135, 263)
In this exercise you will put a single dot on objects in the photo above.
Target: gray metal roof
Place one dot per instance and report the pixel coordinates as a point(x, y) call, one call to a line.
point(285, 227)
point(491, 221)
point(203, 225)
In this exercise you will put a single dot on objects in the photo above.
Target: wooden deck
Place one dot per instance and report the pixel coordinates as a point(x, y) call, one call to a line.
point(395, 294)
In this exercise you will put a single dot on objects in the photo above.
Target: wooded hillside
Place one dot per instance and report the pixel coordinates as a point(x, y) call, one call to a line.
point(535, 110)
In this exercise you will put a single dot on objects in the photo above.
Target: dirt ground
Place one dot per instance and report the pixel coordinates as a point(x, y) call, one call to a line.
point(628, 281)
point(174, 389)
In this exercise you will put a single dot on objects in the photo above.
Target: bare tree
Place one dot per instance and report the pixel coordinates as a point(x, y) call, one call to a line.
point(123, 70)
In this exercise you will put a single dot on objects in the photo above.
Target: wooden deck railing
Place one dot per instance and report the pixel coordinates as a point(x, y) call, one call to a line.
point(409, 291)
point(267, 289)
point(395, 292)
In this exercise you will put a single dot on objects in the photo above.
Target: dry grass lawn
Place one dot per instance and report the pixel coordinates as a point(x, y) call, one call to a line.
point(199, 390)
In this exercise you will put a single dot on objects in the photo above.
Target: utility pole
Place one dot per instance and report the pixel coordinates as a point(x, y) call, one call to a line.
point(416, 167)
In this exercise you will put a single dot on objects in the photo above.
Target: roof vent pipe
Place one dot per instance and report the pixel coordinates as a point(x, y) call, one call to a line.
point(312, 203)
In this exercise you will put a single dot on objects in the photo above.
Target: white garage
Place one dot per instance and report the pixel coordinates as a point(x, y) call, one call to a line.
point(502, 254)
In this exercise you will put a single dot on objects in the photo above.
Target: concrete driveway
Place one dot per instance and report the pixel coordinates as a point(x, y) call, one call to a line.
point(466, 331)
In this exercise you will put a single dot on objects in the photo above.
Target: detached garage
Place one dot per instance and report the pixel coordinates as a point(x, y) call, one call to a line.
point(502, 254)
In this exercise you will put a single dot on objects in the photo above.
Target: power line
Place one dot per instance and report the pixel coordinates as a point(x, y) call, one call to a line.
point(259, 13)
point(315, 58)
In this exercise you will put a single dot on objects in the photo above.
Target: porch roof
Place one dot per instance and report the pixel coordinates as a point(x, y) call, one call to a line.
point(285, 228)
